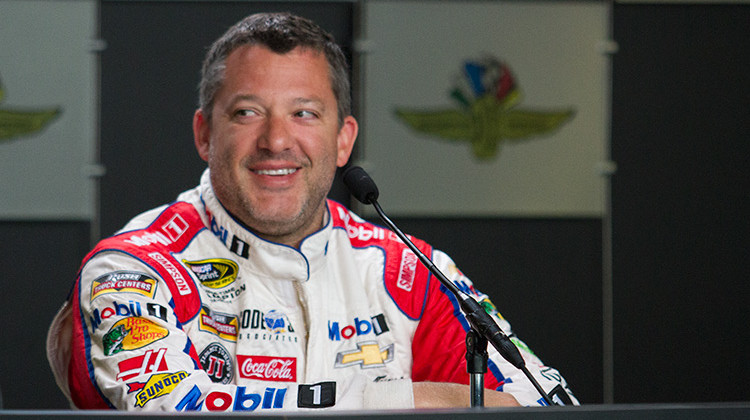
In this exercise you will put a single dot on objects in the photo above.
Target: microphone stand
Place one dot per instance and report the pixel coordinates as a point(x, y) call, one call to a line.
point(483, 327)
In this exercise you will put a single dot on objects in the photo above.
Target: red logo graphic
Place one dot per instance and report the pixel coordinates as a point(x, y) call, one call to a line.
point(407, 270)
point(149, 363)
point(268, 368)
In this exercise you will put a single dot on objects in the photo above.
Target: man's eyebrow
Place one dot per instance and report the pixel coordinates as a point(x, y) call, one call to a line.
point(240, 98)
point(309, 101)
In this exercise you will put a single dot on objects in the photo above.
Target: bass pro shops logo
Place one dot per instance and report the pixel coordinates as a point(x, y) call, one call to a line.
point(130, 334)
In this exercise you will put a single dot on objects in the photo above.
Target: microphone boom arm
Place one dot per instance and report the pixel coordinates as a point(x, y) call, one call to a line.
point(363, 188)
point(479, 319)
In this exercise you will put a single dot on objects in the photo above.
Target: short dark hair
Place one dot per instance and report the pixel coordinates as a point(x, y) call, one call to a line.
point(281, 33)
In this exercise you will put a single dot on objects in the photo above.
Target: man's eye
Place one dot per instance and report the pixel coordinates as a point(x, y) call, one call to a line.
point(245, 112)
point(306, 114)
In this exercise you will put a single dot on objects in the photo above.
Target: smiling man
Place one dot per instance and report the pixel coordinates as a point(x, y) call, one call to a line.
point(252, 291)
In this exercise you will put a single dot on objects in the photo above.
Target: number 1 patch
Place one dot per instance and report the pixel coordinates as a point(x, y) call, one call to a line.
point(320, 395)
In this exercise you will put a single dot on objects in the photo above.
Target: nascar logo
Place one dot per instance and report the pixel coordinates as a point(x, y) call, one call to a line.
point(214, 273)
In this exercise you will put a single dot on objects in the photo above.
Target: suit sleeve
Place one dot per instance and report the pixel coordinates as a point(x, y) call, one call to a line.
point(130, 351)
point(439, 348)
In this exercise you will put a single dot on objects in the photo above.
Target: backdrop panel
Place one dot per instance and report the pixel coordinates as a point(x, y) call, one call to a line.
point(516, 92)
point(47, 109)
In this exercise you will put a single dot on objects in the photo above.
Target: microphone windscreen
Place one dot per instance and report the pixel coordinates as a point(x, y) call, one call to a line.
point(360, 184)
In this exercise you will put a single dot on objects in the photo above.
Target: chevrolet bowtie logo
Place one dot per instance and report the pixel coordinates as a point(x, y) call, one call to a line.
point(368, 355)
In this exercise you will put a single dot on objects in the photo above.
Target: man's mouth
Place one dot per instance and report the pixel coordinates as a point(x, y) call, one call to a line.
point(276, 172)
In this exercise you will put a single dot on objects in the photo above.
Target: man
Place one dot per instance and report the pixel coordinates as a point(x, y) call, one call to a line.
point(253, 291)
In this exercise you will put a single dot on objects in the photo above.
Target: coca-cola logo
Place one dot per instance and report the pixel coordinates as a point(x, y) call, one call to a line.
point(268, 368)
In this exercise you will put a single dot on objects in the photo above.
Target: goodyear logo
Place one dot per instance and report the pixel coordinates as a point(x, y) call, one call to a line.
point(367, 355)
point(131, 333)
point(158, 385)
point(222, 325)
point(123, 281)
point(214, 273)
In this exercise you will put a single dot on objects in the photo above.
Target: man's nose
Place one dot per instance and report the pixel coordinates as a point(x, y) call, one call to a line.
point(276, 136)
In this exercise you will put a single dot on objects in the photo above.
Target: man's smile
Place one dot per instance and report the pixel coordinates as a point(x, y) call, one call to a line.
point(276, 172)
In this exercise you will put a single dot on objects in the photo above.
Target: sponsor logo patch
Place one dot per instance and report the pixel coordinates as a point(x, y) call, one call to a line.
point(217, 323)
point(150, 362)
point(376, 325)
point(131, 333)
point(407, 270)
point(182, 285)
point(157, 386)
point(123, 282)
point(268, 368)
point(214, 273)
point(132, 308)
point(367, 355)
point(169, 233)
point(224, 295)
point(217, 362)
point(271, 326)
point(240, 401)
point(320, 395)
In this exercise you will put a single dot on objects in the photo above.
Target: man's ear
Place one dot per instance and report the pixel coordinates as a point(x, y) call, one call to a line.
point(201, 134)
point(346, 137)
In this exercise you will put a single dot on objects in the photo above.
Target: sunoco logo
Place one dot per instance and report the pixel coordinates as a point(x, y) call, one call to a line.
point(214, 273)
point(159, 385)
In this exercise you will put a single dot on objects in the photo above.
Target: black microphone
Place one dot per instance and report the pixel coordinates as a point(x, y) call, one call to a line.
point(360, 184)
point(363, 188)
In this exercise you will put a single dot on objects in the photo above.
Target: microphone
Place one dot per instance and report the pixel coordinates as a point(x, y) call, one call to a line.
point(360, 184)
point(363, 188)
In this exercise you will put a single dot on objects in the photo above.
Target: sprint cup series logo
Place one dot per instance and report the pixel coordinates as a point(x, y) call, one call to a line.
point(123, 281)
point(214, 273)
point(268, 368)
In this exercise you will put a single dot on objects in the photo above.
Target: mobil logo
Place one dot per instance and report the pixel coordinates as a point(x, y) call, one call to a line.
point(376, 325)
point(117, 309)
point(242, 400)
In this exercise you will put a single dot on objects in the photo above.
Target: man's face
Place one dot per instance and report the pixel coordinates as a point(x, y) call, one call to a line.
point(273, 142)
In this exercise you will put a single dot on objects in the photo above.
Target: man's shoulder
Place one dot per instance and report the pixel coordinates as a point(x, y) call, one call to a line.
point(405, 279)
point(159, 234)
point(169, 227)
point(364, 233)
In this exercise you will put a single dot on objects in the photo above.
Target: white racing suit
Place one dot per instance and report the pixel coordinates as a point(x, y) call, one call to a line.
point(186, 309)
